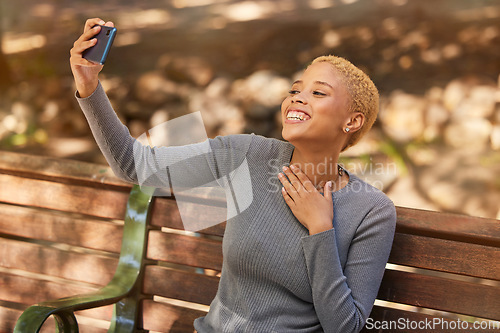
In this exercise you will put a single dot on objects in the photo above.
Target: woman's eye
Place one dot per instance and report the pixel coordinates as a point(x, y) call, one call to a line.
point(293, 92)
point(319, 93)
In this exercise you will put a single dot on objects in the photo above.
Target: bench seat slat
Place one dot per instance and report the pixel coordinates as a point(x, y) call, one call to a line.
point(89, 268)
point(449, 226)
point(52, 226)
point(186, 250)
point(441, 293)
point(166, 214)
point(186, 286)
point(446, 256)
point(161, 317)
point(62, 197)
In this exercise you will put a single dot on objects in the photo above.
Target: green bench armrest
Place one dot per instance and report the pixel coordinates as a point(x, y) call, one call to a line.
point(121, 291)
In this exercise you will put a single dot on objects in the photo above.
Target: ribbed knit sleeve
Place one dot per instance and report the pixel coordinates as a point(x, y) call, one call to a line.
point(112, 137)
point(191, 165)
point(343, 296)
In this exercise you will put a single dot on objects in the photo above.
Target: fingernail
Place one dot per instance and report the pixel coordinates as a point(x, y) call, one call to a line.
point(284, 168)
point(101, 22)
point(294, 167)
point(329, 184)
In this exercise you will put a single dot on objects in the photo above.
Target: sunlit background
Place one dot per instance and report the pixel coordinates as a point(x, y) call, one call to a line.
point(435, 146)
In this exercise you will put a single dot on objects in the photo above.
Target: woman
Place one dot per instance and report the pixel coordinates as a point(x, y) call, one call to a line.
point(306, 258)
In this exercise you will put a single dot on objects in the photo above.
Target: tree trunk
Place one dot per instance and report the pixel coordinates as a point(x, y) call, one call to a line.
point(5, 74)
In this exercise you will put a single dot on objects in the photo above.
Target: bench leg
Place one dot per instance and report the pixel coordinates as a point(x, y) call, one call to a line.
point(66, 323)
point(124, 316)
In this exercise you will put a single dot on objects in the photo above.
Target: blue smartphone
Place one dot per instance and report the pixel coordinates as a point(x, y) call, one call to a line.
point(99, 52)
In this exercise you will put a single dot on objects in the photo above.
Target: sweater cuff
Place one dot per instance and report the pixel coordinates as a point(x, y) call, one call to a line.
point(99, 90)
point(309, 242)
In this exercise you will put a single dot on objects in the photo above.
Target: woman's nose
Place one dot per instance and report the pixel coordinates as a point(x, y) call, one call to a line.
point(298, 98)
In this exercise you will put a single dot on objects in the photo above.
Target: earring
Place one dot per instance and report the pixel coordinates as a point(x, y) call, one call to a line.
point(347, 129)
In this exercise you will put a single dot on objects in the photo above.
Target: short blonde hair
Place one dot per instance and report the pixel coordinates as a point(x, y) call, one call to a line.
point(364, 95)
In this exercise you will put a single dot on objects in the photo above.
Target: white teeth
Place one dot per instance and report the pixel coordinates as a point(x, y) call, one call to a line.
point(296, 115)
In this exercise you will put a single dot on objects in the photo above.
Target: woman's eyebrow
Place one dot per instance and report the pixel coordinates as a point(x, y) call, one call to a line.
point(316, 82)
point(324, 84)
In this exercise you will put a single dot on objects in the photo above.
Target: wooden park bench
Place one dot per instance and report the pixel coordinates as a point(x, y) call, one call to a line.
point(61, 228)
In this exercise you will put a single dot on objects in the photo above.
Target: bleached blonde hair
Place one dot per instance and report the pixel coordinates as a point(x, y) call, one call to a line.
point(362, 91)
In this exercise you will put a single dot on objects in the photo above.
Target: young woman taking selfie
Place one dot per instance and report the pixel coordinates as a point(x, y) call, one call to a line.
point(309, 252)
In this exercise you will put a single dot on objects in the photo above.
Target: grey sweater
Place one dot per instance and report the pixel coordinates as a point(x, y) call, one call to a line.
point(275, 276)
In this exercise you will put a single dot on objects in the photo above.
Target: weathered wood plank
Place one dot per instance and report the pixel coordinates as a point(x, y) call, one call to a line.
point(449, 226)
point(8, 319)
point(60, 170)
point(61, 228)
point(29, 291)
point(166, 214)
point(441, 293)
point(162, 317)
point(446, 256)
point(186, 250)
point(69, 198)
point(186, 286)
point(90, 268)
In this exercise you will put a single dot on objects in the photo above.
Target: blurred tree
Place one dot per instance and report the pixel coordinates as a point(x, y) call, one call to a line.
point(5, 74)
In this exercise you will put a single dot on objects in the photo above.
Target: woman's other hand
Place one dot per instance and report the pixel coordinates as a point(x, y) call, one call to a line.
point(313, 209)
point(86, 72)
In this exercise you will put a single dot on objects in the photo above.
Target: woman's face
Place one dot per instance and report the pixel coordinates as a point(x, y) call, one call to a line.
point(317, 108)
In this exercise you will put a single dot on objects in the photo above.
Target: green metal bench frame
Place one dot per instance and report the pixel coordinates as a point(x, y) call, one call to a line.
point(122, 291)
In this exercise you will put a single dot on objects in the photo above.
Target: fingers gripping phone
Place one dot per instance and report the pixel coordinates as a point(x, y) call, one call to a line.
point(99, 52)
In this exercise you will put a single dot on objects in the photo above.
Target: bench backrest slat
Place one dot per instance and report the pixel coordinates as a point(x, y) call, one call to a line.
point(182, 285)
point(446, 256)
point(185, 249)
point(166, 214)
point(440, 293)
point(63, 197)
point(42, 259)
point(161, 317)
point(71, 229)
point(449, 226)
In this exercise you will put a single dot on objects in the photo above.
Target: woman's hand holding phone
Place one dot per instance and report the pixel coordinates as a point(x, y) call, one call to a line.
point(86, 72)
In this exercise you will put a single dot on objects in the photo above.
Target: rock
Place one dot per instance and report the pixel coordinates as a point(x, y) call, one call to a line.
point(261, 93)
point(495, 137)
point(187, 70)
point(435, 117)
point(115, 87)
point(454, 93)
point(403, 117)
point(220, 116)
point(154, 89)
point(219, 88)
point(458, 183)
point(480, 103)
point(470, 134)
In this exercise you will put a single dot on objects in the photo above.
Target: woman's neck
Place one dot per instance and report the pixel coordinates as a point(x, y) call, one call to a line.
point(319, 167)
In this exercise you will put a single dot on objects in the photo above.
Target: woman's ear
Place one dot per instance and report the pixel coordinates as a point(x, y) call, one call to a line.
point(356, 121)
